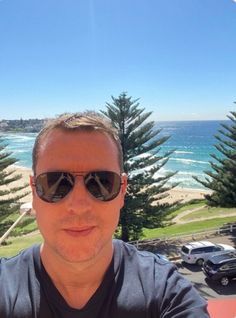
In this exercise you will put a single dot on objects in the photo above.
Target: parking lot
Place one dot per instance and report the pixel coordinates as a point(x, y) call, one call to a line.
point(206, 288)
point(209, 289)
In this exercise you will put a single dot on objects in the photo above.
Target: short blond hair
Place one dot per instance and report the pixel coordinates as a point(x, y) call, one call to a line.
point(85, 121)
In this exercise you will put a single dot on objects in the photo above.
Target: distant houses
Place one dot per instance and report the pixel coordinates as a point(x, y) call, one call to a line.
point(21, 125)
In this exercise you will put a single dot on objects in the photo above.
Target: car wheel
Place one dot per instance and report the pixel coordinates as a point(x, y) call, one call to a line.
point(224, 281)
point(200, 262)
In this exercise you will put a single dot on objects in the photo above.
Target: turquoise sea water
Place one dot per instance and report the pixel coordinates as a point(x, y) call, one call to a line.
point(192, 140)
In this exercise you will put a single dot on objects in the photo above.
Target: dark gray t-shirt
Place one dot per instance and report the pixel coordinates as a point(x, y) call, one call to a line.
point(136, 285)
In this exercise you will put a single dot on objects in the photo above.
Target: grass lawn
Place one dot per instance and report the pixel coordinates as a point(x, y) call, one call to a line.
point(26, 225)
point(19, 243)
point(188, 228)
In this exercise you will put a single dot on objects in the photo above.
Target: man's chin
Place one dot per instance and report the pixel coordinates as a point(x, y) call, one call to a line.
point(77, 252)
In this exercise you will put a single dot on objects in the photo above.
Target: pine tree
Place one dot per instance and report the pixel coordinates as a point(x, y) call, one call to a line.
point(9, 193)
point(142, 159)
point(222, 179)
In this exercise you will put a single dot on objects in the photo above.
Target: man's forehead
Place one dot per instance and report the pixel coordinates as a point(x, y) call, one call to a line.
point(77, 151)
point(73, 135)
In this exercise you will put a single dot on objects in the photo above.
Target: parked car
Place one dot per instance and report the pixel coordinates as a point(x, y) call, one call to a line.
point(221, 268)
point(198, 252)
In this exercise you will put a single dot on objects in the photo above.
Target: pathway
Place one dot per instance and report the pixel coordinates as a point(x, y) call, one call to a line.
point(178, 218)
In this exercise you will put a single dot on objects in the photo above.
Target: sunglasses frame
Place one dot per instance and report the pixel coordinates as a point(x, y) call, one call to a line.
point(75, 174)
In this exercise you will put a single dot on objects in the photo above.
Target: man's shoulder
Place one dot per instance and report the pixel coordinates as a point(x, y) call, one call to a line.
point(139, 260)
point(24, 257)
point(128, 249)
point(154, 272)
point(157, 279)
point(19, 283)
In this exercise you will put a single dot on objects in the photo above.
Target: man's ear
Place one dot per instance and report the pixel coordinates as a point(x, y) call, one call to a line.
point(31, 182)
point(124, 181)
point(123, 189)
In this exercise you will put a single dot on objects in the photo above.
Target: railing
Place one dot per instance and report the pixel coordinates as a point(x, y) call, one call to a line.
point(180, 238)
point(25, 208)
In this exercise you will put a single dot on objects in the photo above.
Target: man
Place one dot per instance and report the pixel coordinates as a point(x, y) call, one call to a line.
point(79, 271)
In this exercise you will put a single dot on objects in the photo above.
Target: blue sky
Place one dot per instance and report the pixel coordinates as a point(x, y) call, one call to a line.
point(178, 56)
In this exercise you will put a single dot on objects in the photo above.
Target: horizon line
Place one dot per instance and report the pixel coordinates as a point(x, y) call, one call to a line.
point(156, 120)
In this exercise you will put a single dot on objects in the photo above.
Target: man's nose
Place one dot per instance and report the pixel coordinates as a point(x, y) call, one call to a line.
point(79, 200)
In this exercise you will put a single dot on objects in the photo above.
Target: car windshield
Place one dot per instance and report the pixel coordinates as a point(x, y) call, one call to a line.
point(185, 250)
point(211, 265)
point(218, 248)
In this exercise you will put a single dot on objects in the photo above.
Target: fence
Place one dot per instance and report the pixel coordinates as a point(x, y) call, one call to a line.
point(181, 238)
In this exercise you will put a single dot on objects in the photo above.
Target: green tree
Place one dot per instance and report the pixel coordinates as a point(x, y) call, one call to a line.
point(142, 160)
point(9, 193)
point(222, 179)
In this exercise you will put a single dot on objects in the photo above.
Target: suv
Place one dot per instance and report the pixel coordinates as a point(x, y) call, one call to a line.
point(198, 252)
point(221, 268)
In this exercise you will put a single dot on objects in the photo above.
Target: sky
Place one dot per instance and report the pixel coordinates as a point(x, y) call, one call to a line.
point(177, 56)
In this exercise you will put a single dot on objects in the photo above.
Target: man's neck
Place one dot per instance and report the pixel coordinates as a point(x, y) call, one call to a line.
point(76, 282)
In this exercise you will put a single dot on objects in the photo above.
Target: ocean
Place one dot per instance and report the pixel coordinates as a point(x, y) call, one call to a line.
point(193, 142)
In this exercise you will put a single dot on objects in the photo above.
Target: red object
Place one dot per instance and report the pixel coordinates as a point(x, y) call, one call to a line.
point(222, 308)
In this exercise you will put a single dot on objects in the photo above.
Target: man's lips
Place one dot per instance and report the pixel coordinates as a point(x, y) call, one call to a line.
point(79, 231)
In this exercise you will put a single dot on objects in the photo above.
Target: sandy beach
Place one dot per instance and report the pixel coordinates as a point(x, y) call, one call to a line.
point(25, 173)
point(183, 194)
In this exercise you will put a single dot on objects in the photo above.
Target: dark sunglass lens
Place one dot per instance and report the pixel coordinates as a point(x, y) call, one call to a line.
point(54, 186)
point(103, 185)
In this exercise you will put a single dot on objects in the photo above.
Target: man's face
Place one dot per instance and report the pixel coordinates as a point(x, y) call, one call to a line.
point(79, 227)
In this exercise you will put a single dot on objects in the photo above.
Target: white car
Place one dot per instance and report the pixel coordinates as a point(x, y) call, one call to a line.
point(198, 252)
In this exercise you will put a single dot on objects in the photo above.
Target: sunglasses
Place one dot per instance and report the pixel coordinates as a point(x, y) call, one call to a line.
point(53, 186)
